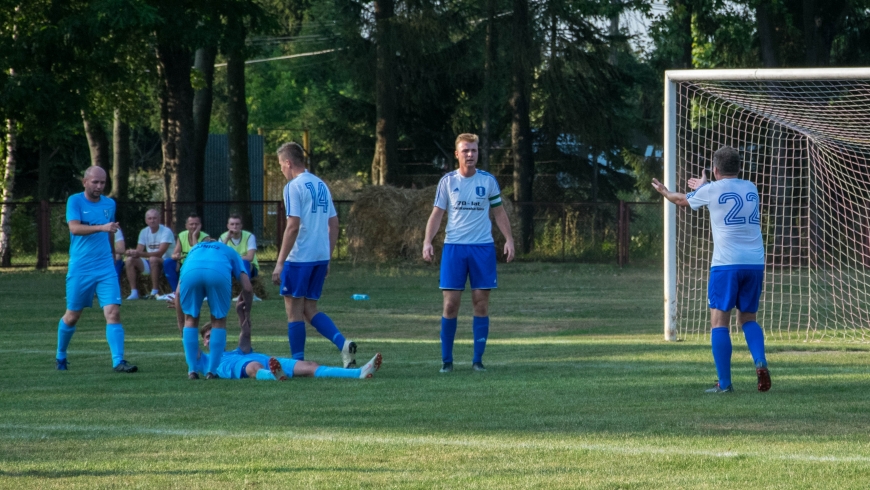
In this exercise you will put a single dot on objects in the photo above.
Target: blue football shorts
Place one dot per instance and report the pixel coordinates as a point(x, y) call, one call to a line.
point(738, 286)
point(304, 279)
point(196, 284)
point(80, 289)
point(475, 262)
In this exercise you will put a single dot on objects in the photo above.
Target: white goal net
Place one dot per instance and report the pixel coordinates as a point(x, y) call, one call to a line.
point(804, 138)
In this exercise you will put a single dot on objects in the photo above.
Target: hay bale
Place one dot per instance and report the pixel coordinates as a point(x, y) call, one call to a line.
point(386, 223)
point(375, 224)
point(143, 284)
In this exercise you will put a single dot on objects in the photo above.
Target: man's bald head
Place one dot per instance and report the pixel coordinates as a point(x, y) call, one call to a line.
point(152, 219)
point(95, 172)
point(94, 181)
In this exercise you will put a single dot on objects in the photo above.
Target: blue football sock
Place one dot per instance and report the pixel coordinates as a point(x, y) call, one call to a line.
point(336, 372)
point(115, 337)
point(480, 328)
point(755, 341)
point(266, 375)
point(324, 326)
point(448, 334)
point(216, 346)
point(720, 337)
point(296, 336)
point(64, 335)
point(190, 341)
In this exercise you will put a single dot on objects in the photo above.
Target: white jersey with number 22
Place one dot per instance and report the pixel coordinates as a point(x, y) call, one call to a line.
point(735, 221)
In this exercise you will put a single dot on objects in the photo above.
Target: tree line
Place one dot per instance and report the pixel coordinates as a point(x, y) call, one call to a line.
point(554, 87)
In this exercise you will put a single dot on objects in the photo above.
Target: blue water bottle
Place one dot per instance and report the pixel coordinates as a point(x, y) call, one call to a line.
point(360, 297)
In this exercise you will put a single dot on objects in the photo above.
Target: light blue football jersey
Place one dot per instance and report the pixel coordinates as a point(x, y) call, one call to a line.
point(308, 198)
point(90, 254)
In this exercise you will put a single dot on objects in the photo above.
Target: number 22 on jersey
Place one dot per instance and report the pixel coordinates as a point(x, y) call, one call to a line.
point(731, 218)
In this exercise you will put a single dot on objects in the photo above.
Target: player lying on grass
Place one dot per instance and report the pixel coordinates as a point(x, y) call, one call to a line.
point(235, 364)
point(737, 270)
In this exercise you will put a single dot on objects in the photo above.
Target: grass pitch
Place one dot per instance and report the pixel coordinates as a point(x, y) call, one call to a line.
point(581, 392)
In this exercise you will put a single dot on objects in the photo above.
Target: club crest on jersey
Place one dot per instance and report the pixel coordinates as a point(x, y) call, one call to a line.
point(480, 191)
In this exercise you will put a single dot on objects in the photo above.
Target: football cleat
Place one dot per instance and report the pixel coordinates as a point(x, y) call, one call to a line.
point(60, 364)
point(370, 367)
point(478, 366)
point(763, 376)
point(212, 376)
point(124, 367)
point(446, 368)
point(719, 389)
point(348, 354)
point(192, 375)
point(277, 371)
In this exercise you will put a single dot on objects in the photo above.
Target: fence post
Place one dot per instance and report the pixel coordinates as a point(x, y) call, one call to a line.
point(623, 240)
point(280, 224)
point(564, 230)
point(43, 236)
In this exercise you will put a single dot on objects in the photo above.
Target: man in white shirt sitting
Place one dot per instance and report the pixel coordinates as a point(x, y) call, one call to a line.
point(152, 255)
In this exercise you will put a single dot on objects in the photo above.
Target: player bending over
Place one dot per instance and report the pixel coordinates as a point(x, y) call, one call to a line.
point(235, 364)
point(737, 271)
point(208, 272)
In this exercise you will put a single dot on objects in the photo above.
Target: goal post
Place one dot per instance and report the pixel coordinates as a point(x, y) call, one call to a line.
point(804, 138)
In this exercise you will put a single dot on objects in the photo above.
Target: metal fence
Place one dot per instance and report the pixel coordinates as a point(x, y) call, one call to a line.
point(611, 232)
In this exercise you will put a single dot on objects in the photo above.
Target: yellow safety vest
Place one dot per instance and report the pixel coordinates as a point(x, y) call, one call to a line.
point(242, 247)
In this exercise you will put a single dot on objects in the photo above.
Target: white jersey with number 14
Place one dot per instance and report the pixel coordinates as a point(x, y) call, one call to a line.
point(734, 220)
point(309, 199)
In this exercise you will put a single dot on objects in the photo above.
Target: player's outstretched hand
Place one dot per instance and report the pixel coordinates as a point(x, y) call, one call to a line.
point(509, 250)
point(428, 252)
point(696, 182)
point(659, 187)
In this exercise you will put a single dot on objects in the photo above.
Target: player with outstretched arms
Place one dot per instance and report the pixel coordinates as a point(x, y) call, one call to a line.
point(737, 270)
point(467, 195)
point(92, 225)
point(303, 261)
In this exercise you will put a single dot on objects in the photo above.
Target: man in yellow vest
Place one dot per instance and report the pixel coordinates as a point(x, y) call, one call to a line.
point(192, 235)
point(243, 242)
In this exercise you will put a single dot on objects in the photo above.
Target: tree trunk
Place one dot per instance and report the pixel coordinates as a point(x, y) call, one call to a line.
point(765, 33)
point(98, 143)
point(237, 133)
point(613, 31)
point(202, 104)
point(821, 24)
point(176, 126)
point(488, 80)
point(43, 185)
point(521, 132)
point(8, 187)
point(684, 36)
point(385, 161)
point(121, 159)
